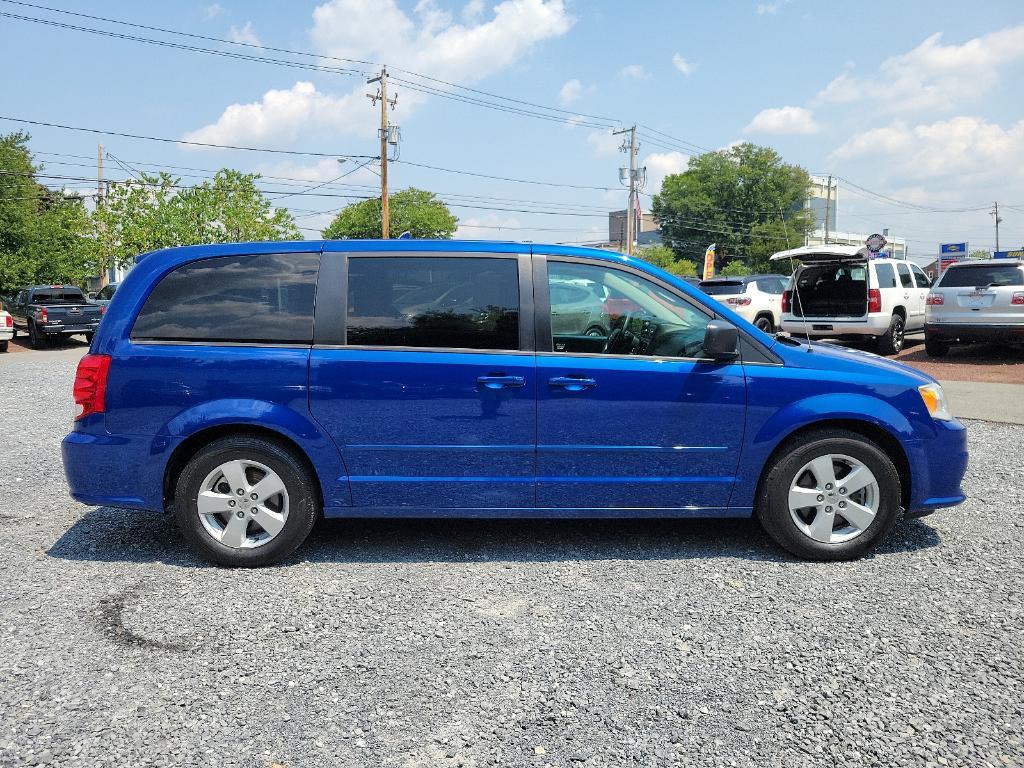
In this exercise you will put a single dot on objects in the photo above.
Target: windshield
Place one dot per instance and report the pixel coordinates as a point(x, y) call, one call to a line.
point(722, 287)
point(58, 296)
point(982, 274)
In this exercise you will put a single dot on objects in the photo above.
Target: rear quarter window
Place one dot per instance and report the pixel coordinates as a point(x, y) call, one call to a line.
point(262, 298)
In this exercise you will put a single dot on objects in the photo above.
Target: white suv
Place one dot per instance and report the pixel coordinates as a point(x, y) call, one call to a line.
point(844, 292)
point(975, 301)
point(755, 298)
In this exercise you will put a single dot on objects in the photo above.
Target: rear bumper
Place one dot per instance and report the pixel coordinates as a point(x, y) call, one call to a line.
point(824, 328)
point(96, 463)
point(974, 332)
point(6, 334)
point(937, 465)
point(83, 327)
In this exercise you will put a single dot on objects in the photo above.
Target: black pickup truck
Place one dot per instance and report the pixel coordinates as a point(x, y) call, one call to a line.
point(48, 311)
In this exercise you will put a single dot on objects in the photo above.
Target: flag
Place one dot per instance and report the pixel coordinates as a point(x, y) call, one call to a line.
point(709, 262)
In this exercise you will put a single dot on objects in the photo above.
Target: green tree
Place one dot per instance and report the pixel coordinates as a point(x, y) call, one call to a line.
point(745, 199)
point(412, 210)
point(735, 269)
point(44, 235)
point(664, 257)
point(153, 212)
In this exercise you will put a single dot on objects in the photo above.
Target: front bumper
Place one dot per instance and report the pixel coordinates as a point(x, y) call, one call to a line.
point(974, 332)
point(937, 465)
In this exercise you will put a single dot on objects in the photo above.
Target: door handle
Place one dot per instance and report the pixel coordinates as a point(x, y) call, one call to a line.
point(501, 382)
point(572, 383)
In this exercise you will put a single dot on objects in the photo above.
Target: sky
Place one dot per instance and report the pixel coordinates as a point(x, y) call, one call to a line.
point(915, 106)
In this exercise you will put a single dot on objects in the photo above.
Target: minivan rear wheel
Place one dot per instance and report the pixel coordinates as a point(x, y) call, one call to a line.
point(245, 501)
point(830, 495)
point(891, 342)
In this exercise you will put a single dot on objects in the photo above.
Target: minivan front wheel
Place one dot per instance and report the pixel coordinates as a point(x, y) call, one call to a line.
point(830, 495)
point(245, 501)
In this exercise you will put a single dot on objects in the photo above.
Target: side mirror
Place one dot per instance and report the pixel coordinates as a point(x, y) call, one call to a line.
point(721, 340)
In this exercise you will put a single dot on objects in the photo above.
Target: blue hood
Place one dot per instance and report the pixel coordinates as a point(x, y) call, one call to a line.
point(830, 357)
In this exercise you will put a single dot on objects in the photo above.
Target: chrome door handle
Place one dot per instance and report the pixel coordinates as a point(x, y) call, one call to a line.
point(572, 383)
point(501, 382)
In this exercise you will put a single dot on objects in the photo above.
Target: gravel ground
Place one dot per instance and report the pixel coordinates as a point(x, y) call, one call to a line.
point(499, 643)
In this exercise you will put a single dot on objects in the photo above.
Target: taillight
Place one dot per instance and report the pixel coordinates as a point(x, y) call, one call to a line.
point(103, 309)
point(43, 317)
point(785, 301)
point(740, 301)
point(91, 385)
point(9, 321)
point(937, 300)
point(874, 300)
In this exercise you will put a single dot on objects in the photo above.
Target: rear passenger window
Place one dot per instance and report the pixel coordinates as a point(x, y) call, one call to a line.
point(886, 276)
point(905, 277)
point(265, 298)
point(433, 301)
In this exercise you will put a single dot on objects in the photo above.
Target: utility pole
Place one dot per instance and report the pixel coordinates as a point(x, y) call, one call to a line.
point(100, 195)
point(828, 206)
point(382, 97)
point(995, 212)
point(634, 176)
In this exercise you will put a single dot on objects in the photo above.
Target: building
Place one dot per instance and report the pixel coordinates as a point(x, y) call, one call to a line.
point(649, 234)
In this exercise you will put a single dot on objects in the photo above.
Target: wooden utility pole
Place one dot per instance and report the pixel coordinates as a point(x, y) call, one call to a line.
point(995, 212)
point(631, 222)
point(828, 206)
point(382, 97)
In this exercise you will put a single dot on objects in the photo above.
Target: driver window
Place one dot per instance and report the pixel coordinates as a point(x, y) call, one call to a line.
point(603, 310)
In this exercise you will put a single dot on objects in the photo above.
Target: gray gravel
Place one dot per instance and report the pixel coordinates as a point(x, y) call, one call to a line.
point(440, 643)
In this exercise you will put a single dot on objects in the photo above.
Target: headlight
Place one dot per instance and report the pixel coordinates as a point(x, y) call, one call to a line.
point(935, 402)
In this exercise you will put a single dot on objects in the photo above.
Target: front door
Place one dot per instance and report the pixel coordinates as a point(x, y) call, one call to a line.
point(422, 374)
point(632, 418)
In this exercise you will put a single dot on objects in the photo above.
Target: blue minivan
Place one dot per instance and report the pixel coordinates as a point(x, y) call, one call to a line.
point(253, 387)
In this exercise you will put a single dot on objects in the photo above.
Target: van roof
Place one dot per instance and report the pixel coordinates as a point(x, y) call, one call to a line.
point(808, 252)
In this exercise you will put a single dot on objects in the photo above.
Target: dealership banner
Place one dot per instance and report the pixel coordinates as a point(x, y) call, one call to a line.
point(953, 249)
point(1018, 254)
point(709, 262)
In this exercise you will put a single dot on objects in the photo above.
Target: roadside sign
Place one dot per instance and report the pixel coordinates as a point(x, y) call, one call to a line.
point(875, 243)
point(953, 249)
point(1018, 254)
point(709, 262)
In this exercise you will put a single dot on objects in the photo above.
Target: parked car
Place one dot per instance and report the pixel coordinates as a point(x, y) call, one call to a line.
point(755, 298)
point(975, 301)
point(6, 328)
point(845, 292)
point(45, 312)
point(252, 388)
point(104, 294)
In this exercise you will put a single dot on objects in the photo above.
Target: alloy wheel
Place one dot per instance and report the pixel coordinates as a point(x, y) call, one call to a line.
point(833, 498)
point(243, 504)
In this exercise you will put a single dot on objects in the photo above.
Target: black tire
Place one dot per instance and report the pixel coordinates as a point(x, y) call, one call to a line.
point(891, 342)
point(89, 338)
point(772, 508)
point(596, 331)
point(304, 502)
point(3, 345)
point(764, 323)
point(935, 347)
point(36, 339)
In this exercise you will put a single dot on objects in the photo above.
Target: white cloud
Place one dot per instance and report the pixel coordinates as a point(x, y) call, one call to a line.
point(570, 92)
point(661, 164)
point(783, 120)
point(603, 142)
point(472, 11)
point(213, 11)
point(765, 8)
point(969, 150)
point(932, 76)
point(427, 41)
point(378, 30)
point(281, 115)
point(244, 34)
point(684, 66)
point(634, 72)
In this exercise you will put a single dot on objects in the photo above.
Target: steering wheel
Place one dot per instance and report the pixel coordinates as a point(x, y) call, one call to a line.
point(619, 335)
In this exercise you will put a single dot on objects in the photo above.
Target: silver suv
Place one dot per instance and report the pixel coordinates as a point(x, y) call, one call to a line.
point(975, 301)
